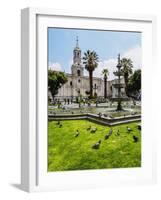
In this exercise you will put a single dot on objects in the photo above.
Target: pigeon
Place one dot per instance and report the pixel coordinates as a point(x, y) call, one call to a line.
point(107, 136)
point(100, 114)
point(135, 138)
point(60, 125)
point(89, 128)
point(96, 145)
point(139, 127)
point(129, 129)
point(76, 134)
point(93, 130)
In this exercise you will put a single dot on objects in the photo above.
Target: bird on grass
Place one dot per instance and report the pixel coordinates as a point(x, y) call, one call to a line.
point(107, 136)
point(76, 134)
point(89, 128)
point(135, 138)
point(139, 127)
point(96, 145)
point(128, 129)
point(60, 125)
point(93, 130)
point(58, 122)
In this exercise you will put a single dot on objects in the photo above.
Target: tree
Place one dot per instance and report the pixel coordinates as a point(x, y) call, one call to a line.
point(105, 72)
point(55, 81)
point(134, 85)
point(91, 62)
point(127, 70)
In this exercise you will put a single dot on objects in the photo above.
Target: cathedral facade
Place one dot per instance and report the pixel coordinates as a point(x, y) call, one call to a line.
point(78, 83)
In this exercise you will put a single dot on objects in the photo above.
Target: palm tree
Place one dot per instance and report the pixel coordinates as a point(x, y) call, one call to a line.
point(91, 62)
point(105, 72)
point(127, 70)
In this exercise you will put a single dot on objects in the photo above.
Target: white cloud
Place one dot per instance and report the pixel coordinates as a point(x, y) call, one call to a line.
point(55, 66)
point(134, 54)
point(110, 64)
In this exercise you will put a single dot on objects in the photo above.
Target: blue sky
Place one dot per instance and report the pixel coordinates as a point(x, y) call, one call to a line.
point(107, 44)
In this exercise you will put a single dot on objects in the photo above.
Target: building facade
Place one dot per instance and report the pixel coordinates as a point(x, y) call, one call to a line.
point(78, 83)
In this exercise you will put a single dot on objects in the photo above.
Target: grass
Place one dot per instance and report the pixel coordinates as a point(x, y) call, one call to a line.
point(66, 152)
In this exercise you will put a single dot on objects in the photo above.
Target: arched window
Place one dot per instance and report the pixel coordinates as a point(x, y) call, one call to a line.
point(78, 72)
point(71, 83)
point(79, 80)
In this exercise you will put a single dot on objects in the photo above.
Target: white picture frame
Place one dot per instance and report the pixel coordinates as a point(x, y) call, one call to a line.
point(33, 178)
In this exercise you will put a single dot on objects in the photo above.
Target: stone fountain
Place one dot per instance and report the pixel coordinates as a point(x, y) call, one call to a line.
point(118, 85)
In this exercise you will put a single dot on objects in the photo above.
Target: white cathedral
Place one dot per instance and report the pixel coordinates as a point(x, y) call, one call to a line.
point(78, 83)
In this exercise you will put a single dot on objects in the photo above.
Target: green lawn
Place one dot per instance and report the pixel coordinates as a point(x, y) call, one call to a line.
point(67, 152)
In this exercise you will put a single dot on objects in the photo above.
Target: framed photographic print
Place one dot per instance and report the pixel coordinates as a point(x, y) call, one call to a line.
point(86, 106)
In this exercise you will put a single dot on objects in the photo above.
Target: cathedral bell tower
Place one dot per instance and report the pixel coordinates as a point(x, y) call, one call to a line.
point(77, 68)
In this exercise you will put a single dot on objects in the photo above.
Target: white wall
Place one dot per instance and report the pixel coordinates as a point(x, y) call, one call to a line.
point(10, 98)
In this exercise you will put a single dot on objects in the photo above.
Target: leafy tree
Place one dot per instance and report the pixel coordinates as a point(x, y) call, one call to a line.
point(91, 62)
point(134, 85)
point(55, 81)
point(127, 70)
point(105, 72)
